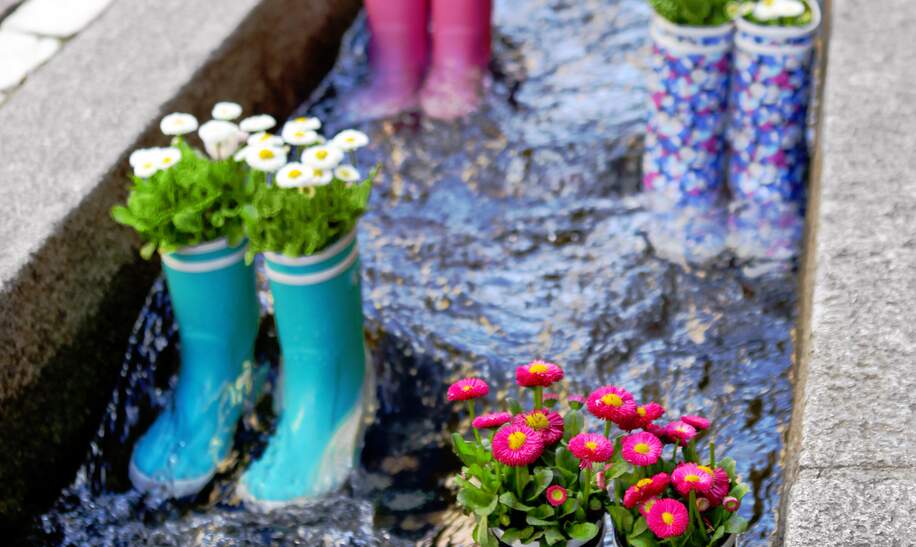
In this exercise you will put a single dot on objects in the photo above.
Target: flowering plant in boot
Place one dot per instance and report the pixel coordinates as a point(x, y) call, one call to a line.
point(531, 475)
point(778, 13)
point(180, 196)
point(658, 498)
point(699, 13)
point(301, 206)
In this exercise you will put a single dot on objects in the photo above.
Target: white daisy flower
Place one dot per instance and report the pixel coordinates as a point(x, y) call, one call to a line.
point(178, 123)
point(309, 124)
point(255, 124)
point(322, 156)
point(168, 157)
point(298, 134)
point(145, 162)
point(221, 138)
point(350, 139)
point(241, 154)
point(293, 175)
point(226, 111)
point(766, 10)
point(265, 139)
point(346, 173)
point(265, 158)
point(319, 176)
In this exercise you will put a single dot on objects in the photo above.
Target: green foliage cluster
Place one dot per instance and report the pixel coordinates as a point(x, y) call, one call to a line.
point(194, 201)
point(698, 13)
point(512, 498)
point(299, 222)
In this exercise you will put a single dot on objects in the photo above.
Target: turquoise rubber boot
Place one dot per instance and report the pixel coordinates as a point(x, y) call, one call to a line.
point(326, 382)
point(215, 304)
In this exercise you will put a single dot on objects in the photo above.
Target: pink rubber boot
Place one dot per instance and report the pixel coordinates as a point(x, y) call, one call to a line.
point(398, 53)
point(461, 51)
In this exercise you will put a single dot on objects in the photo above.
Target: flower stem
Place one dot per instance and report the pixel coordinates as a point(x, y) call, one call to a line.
point(674, 454)
point(712, 454)
point(471, 412)
point(587, 487)
point(694, 512)
point(538, 397)
point(607, 429)
point(518, 482)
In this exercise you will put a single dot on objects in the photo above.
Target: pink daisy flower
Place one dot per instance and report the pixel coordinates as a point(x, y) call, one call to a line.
point(538, 373)
point(575, 401)
point(720, 487)
point(591, 448)
point(659, 483)
point(517, 445)
point(612, 403)
point(680, 431)
point(492, 420)
point(690, 476)
point(548, 424)
point(467, 389)
point(660, 432)
point(731, 504)
point(556, 495)
point(551, 399)
point(636, 493)
point(641, 449)
point(667, 518)
point(698, 422)
point(645, 414)
point(646, 506)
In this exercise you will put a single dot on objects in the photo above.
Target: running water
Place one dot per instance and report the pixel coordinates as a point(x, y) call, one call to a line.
point(516, 233)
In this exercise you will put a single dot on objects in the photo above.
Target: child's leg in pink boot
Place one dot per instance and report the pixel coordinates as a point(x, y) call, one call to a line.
point(398, 52)
point(461, 51)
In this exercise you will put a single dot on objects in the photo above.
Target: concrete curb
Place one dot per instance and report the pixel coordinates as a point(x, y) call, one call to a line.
point(65, 136)
point(850, 475)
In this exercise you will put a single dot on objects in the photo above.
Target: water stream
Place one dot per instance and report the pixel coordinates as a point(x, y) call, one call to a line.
point(518, 232)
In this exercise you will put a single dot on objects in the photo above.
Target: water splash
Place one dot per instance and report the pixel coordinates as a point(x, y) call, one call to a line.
point(518, 232)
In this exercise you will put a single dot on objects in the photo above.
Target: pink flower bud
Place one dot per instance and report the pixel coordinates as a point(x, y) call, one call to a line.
point(602, 484)
point(702, 504)
point(731, 504)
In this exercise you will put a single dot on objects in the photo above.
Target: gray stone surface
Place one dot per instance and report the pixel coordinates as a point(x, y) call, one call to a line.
point(852, 430)
point(65, 135)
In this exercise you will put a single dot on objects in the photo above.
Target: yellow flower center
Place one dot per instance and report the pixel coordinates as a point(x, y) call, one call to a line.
point(591, 445)
point(265, 154)
point(768, 3)
point(692, 478)
point(350, 140)
point(538, 368)
point(641, 448)
point(648, 506)
point(321, 154)
point(667, 518)
point(465, 388)
point(264, 137)
point(643, 483)
point(641, 411)
point(517, 440)
point(295, 173)
point(537, 421)
point(612, 399)
point(318, 173)
point(167, 160)
point(148, 165)
point(557, 495)
point(708, 470)
point(299, 134)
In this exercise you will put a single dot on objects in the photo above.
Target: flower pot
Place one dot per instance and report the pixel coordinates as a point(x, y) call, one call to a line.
point(684, 157)
point(771, 90)
point(216, 307)
point(326, 381)
point(594, 542)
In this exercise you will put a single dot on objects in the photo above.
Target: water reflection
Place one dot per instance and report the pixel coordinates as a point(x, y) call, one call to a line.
point(515, 233)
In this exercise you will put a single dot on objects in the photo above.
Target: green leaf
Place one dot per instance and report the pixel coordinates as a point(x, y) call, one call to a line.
point(573, 424)
point(508, 499)
point(514, 407)
point(618, 470)
point(147, 250)
point(553, 536)
point(566, 461)
point(736, 524)
point(622, 518)
point(568, 507)
point(739, 490)
point(542, 515)
point(542, 478)
point(482, 534)
point(583, 531)
point(639, 527)
point(514, 534)
point(464, 450)
point(728, 464)
point(480, 502)
point(720, 532)
point(646, 539)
